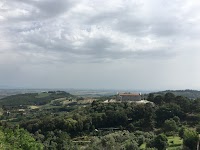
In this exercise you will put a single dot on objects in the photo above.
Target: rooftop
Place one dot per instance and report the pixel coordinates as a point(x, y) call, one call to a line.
point(129, 94)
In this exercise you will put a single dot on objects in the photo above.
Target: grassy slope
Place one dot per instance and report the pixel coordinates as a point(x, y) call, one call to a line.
point(174, 142)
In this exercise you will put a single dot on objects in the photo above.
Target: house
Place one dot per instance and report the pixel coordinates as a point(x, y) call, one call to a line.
point(128, 97)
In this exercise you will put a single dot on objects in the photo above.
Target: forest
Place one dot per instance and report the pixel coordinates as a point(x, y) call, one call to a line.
point(61, 121)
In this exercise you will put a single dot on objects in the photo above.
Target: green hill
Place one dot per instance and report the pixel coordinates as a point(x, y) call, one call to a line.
point(192, 94)
point(33, 98)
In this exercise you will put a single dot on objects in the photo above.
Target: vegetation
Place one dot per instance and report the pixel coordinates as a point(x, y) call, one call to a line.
point(32, 98)
point(159, 142)
point(190, 139)
point(18, 139)
point(174, 142)
point(191, 94)
point(65, 122)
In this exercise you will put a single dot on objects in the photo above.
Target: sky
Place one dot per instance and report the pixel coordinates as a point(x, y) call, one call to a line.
point(100, 44)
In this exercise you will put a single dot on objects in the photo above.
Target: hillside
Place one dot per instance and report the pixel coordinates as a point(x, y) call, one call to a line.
point(33, 98)
point(80, 123)
point(191, 94)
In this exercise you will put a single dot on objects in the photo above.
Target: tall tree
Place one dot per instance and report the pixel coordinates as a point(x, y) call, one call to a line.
point(158, 100)
point(169, 97)
point(150, 97)
point(190, 139)
point(170, 126)
point(159, 142)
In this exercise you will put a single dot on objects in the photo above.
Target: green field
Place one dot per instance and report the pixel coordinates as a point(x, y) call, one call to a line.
point(143, 146)
point(174, 142)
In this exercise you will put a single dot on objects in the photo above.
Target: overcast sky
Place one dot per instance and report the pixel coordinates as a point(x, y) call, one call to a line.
point(100, 44)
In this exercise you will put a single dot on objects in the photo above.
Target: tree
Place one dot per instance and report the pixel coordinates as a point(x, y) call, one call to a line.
point(168, 111)
point(149, 116)
point(158, 100)
point(18, 139)
point(177, 120)
point(181, 132)
point(170, 126)
point(131, 127)
point(184, 103)
point(131, 146)
point(196, 106)
point(169, 97)
point(159, 142)
point(190, 139)
point(150, 97)
point(198, 128)
point(108, 142)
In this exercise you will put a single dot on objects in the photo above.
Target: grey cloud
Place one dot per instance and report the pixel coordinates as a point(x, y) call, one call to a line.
point(52, 7)
point(40, 10)
point(91, 49)
point(134, 20)
point(99, 43)
point(40, 36)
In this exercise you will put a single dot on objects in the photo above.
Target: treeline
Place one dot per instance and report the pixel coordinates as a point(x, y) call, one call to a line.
point(191, 94)
point(186, 105)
